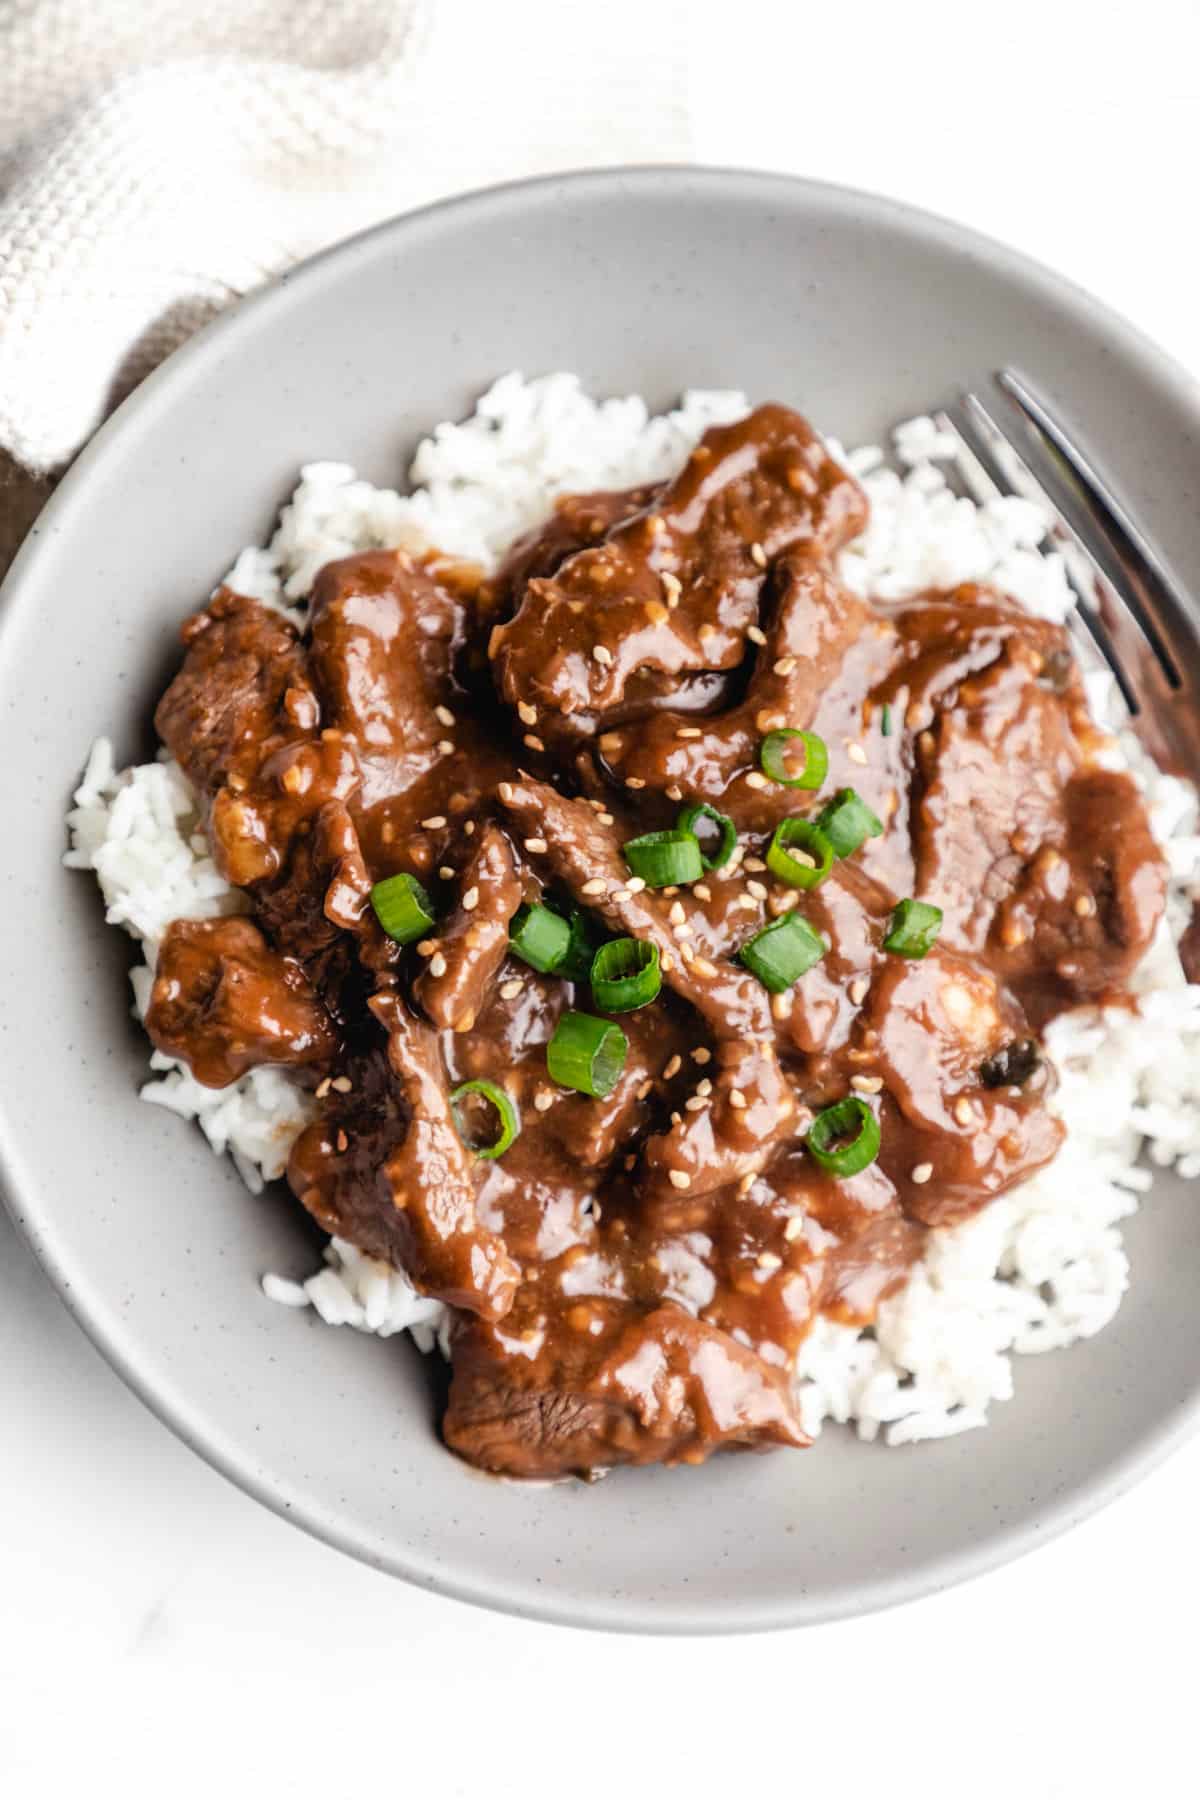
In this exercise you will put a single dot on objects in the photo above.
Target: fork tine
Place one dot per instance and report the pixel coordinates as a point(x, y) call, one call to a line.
point(1145, 577)
point(1006, 472)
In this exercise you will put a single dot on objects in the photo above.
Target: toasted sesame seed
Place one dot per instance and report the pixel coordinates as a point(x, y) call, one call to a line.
point(674, 792)
point(755, 780)
point(697, 1103)
point(964, 1112)
point(737, 1099)
point(1012, 935)
point(1085, 906)
point(687, 953)
point(634, 781)
point(679, 1179)
point(602, 654)
point(470, 899)
point(706, 631)
point(701, 1055)
point(859, 990)
point(857, 754)
point(469, 828)
point(757, 889)
point(794, 1228)
point(921, 1174)
point(677, 914)
point(342, 1084)
point(758, 555)
point(672, 587)
point(704, 1087)
point(595, 886)
point(445, 747)
point(610, 740)
point(427, 946)
point(342, 1141)
point(747, 902)
point(754, 865)
point(867, 1084)
point(437, 964)
point(767, 1259)
point(781, 903)
point(785, 665)
point(532, 742)
point(635, 884)
point(645, 1089)
point(324, 1087)
point(526, 713)
point(683, 931)
point(781, 1006)
point(756, 635)
point(543, 1100)
point(666, 961)
point(673, 1067)
point(766, 720)
point(702, 966)
point(702, 890)
point(443, 715)
point(604, 818)
point(505, 791)
point(620, 893)
point(536, 846)
point(510, 989)
point(688, 731)
point(434, 822)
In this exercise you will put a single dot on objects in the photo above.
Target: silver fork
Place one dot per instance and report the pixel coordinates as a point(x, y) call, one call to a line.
point(1132, 612)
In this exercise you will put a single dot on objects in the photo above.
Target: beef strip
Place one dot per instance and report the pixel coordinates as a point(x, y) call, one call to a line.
point(673, 590)
point(224, 1001)
point(406, 1194)
point(467, 951)
point(658, 1386)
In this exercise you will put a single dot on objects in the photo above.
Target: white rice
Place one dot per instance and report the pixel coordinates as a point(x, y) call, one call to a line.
point(1036, 1270)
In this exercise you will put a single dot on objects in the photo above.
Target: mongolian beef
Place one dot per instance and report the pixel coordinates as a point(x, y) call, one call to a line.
point(665, 933)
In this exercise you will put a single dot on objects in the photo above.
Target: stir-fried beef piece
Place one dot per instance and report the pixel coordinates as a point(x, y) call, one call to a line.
point(810, 623)
point(243, 686)
point(636, 1272)
point(658, 1387)
point(469, 949)
point(225, 1001)
point(674, 589)
point(416, 1207)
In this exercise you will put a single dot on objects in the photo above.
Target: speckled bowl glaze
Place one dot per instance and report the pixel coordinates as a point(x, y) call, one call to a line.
point(859, 312)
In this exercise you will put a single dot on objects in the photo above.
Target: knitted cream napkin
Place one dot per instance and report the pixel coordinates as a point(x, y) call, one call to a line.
point(160, 157)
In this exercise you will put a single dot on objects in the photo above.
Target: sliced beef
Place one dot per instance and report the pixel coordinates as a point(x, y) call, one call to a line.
point(406, 1193)
point(810, 624)
point(243, 685)
point(661, 1387)
point(576, 521)
point(469, 948)
point(225, 1002)
point(674, 590)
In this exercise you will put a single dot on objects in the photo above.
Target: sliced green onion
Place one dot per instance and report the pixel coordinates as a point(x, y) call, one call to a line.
point(586, 1054)
point(844, 1138)
point(576, 965)
point(539, 937)
point(773, 751)
point(625, 975)
point(403, 908)
point(848, 822)
point(690, 817)
point(885, 722)
point(914, 928)
point(510, 1118)
point(783, 952)
point(665, 858)
point(812, 841)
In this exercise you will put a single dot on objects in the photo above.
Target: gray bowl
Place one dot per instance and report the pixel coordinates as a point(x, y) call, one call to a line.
point(859, 312)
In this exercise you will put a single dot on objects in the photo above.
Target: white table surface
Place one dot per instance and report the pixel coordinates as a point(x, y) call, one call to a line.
point(161, 1633)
